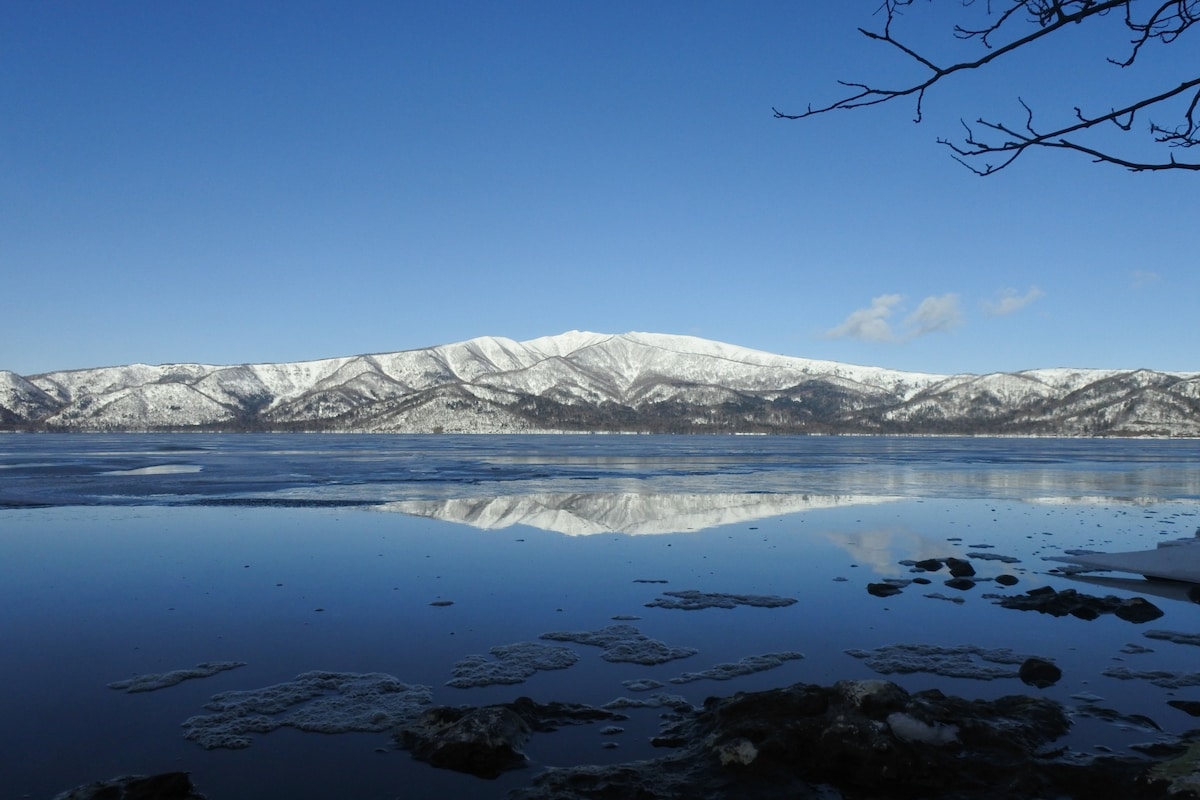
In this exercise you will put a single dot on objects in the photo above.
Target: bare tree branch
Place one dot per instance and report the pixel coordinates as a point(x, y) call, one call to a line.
point(1008, 31)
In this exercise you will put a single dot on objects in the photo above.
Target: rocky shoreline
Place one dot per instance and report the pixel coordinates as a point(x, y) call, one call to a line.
point(853, 740)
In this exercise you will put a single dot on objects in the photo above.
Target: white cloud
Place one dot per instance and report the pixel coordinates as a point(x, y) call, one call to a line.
point(873, 324)
point(870, 324)
point(1009, 302)
point(941, 313)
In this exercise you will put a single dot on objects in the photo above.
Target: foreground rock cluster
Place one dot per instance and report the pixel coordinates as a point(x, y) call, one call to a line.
point(854, 740)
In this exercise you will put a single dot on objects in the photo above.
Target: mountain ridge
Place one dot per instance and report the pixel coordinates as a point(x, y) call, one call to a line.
point(585, 381)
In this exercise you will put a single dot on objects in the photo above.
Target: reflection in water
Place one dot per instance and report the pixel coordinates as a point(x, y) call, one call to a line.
point(882, 549)
point(622, 512)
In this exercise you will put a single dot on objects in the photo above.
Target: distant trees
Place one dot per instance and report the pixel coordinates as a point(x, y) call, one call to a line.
point(1005, 29)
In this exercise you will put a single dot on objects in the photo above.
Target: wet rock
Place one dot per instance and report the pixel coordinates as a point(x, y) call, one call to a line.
point(1182, 773)
point(486, 741)
point(940, 596)
point(166, 786)
point(929, 564)
point(1189, 707)
point(1047, 600)
point(856, 739)
point(1137, 610)
point(960, 568)
point(1007, 580)
point(882, 589)
point(962, 584)
point(1039, 672)
point(480, 741)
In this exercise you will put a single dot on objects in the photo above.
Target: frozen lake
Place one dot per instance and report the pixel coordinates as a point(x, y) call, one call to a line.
point(122, 555)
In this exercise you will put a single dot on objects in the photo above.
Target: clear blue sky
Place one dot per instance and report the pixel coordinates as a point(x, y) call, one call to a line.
point(223, 182)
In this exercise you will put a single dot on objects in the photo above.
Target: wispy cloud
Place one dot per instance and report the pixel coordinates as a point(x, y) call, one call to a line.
point(870, 324)
point(1143, 277)
point(941, 313)
point(1009, 302)
point(873, 323)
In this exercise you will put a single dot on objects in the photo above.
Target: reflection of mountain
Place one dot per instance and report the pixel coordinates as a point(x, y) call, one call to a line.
point(626, 512)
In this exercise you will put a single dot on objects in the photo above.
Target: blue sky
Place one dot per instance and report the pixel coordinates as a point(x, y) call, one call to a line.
point(229, 183)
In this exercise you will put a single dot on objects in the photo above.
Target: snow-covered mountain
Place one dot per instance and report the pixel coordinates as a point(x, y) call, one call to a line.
point(598, 382)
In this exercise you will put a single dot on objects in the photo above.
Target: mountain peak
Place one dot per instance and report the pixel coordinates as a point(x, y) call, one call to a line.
point(587, 381)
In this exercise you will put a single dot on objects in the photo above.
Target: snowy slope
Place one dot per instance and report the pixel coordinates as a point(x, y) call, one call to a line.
point(581, 380)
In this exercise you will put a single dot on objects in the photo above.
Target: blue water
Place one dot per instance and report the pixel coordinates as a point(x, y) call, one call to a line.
point(128, 554)
point(315, 469)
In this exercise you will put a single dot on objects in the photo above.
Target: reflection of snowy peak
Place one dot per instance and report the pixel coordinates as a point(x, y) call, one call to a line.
point(597, 382)
point(582, 514)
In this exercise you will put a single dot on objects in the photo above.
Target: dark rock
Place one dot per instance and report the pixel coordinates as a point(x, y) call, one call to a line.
point(922, 581)
point(1006, 580)
point(962, 584)
point(1039, 672)
point(481, 741)
point(166, 786)
point(960, 568)
point(1046, 600)
point(858, 739)
point(487, 740)
point(1189, 707)
point(882, 589)
point(1137, 610)
point(930, 564)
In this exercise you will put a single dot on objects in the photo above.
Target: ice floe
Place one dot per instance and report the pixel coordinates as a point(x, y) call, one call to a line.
point(161, 680)
point(511, 663)
point(318, 701)
point(624, 644)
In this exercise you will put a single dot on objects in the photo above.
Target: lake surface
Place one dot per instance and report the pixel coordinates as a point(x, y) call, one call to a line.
point(124, 555)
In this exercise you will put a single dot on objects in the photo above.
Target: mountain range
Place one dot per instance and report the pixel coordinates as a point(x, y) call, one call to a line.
point(579, 381)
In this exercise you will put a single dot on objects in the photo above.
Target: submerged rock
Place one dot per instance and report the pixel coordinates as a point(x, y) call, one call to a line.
point(487, 740)
point(1174, 636)
point(857, 739)
point(166, 786)
point(1164, 678)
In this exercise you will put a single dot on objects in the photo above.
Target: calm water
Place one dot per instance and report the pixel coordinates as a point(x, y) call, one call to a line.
point(124, 555)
